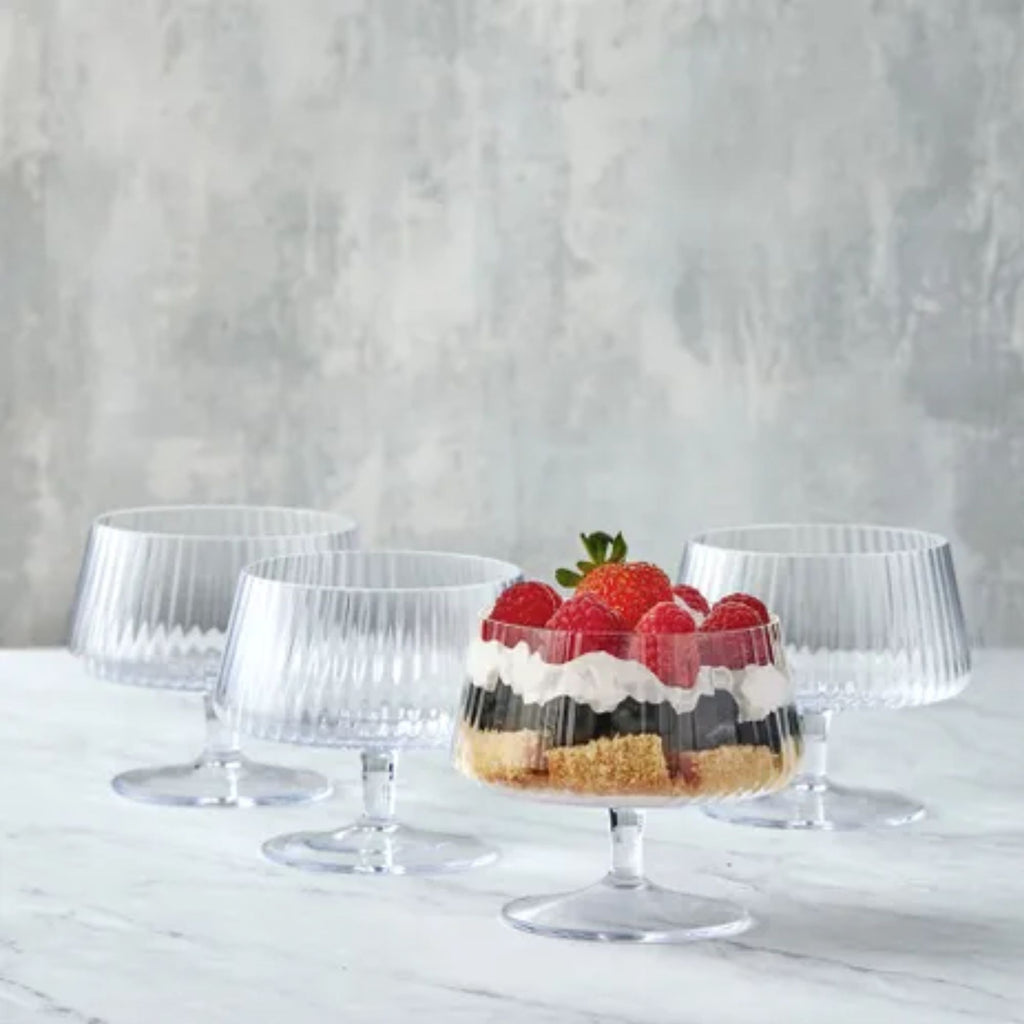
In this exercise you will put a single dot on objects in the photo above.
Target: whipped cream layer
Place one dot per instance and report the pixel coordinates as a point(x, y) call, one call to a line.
point(602, 681)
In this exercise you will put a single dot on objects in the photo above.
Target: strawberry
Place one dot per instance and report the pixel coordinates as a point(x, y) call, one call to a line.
point(629, 589)
point(526, 604)
point(663, 645)
point(692, 598)
point(743, 640)
point(750, 601)
point(583, 624)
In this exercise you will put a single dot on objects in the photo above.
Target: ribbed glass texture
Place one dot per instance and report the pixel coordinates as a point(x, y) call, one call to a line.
point(357, 649)
point(156, 584)
point(872, 613)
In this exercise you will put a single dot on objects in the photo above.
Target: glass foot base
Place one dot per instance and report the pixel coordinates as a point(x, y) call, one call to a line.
point(823, 807)
point(380, 850)
point(209, 783)
point(607, 912)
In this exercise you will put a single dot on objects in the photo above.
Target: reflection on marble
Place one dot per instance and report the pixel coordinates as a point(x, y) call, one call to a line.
point(114, 913)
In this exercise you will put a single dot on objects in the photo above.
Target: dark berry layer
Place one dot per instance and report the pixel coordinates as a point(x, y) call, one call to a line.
point(714, 722)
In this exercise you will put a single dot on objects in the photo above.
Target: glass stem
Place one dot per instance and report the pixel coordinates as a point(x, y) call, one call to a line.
point(221, 741)
point(380, 768)
point(627, 870)
point(814, 774)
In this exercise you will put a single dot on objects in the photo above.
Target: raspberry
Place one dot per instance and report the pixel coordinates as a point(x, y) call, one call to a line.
point(628, 588)
point(727, 615)
point(750, 601)
point(583, 624)
point(692, 598)
point(743, 640)
point(666, 617)
point(526, 604)
point(664, 646)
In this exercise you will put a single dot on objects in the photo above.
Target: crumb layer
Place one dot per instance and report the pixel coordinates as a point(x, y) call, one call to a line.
point(622, 765)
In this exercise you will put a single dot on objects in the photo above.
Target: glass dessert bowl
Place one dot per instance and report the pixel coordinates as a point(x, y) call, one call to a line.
point(363, 650)
point(873, 620)
point(682, 708)
point(154, 597)
point(582, 717)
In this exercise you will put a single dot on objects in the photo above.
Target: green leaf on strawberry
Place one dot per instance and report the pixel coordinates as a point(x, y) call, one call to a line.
point(619, 549)
point(601, 548)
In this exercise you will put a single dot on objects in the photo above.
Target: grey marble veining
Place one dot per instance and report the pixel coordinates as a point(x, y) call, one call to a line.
point(487, 274)
point(114, 913)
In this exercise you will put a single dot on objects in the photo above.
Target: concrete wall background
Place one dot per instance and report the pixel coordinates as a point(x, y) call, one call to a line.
point(486, 273)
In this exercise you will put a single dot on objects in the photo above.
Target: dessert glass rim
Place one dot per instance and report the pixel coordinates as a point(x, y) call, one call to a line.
point(109, 521)
point(499, 569)
point(773, 622)
point(929, 540)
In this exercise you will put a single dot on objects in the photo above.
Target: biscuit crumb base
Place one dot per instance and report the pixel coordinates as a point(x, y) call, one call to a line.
point(625, 764)
point(731, 770)
point(622, 765)
point(504, 757)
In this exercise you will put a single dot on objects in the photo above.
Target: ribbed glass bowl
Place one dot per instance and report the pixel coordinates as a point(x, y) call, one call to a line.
point(154, 596)
point(628, 722)
point(361, 649)
point(873, 620)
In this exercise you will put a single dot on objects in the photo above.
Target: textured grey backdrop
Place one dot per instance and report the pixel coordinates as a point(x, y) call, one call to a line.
point(485, 272)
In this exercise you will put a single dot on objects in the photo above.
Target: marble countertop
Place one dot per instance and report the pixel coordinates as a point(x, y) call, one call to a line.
point(114, 913)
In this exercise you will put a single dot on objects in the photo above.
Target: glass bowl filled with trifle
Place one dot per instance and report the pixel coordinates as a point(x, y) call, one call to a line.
point(628, 693)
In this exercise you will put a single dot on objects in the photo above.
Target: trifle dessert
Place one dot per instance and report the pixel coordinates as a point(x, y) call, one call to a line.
point(626, 690)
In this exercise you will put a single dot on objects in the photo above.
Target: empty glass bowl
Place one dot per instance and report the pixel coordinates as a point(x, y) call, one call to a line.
point(873, 620)
point(361, 649)
point(625, 721)
point(154, 596)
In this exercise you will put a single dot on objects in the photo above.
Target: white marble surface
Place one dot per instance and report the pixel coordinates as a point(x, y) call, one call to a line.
point(112, 913)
